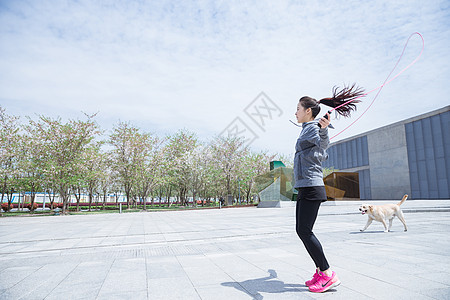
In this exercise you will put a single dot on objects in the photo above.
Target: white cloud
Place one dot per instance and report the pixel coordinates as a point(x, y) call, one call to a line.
point(169, 65)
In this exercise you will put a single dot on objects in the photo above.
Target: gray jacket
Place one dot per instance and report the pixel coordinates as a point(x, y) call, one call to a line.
point(310, 152)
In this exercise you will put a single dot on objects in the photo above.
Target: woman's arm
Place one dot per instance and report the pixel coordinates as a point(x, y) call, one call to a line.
point(319, 136)
point(323, 132)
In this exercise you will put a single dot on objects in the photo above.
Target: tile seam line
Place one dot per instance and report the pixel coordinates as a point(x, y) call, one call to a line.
point(151, 243)
point(187, 275)
point(109, 271)
point(117, 236)
point(23, 279)
point(62, 280)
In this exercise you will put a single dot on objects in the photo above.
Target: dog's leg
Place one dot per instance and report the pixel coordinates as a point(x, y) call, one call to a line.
point(402, 218)
point(369, 221)
point(385, 225)
point(390, 223)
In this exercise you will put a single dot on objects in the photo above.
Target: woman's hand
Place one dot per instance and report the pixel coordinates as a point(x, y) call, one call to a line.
point(325, 122)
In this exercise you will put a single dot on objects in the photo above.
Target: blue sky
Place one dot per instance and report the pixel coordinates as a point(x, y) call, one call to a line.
point(167, 65)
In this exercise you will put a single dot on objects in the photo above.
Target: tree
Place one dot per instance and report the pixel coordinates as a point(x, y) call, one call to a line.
point(198, 167)
point(92, 159)
point(148, 165)
point(125, 156)
point(114, 182)
point(180, 150)
point(253, 164)
point(78, 185)
point(64, 145)
point(9, 141)
point(31, 163)
point(105, 178)
point(207, 176)
point(165, 173)
point(227, 154)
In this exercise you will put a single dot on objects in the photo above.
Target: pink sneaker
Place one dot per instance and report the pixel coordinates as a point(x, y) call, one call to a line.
point(324, 283)
point(313, 280)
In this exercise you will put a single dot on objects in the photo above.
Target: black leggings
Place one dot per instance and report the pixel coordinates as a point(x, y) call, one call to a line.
point(306, 214)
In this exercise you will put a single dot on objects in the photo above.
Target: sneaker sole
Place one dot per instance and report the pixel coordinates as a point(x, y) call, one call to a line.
point(338, 282)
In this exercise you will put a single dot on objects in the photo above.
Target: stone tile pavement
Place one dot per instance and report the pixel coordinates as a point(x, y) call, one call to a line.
point(232, 253)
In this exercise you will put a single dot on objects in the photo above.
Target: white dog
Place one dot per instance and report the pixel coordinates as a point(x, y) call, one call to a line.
point(381, 213)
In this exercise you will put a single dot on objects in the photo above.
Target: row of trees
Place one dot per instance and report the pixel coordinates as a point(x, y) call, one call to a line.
point(76, 158)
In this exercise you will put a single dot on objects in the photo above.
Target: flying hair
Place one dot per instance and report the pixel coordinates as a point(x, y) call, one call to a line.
point(348, 96)
point(344, 100)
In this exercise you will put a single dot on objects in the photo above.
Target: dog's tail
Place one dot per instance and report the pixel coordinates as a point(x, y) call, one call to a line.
point(403, 199)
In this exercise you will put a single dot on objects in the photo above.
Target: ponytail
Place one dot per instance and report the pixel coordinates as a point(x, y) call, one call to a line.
point(340, 97)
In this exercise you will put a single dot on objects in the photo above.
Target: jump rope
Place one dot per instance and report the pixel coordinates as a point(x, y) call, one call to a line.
point(379, 88)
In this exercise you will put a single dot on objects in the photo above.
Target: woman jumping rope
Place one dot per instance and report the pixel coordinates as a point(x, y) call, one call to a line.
point(310, 152)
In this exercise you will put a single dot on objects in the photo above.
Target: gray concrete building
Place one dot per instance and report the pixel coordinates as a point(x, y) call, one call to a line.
point(408, 157)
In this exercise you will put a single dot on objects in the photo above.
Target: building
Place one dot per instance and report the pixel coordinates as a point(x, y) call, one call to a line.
point(275, 186)
point(408, 157)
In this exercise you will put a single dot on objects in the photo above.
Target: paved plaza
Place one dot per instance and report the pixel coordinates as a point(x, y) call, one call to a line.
point(231, 253)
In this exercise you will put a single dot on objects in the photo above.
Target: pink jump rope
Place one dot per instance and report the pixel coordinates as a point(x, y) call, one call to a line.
point(386, 81)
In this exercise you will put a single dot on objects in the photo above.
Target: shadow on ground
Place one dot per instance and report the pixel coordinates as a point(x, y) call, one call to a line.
point(367, 231)
point(269, 284)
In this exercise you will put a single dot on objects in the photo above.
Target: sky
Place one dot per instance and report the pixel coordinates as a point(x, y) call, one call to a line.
point(221, 67)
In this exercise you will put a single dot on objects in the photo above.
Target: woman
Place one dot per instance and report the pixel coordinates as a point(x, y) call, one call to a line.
point(309, 154)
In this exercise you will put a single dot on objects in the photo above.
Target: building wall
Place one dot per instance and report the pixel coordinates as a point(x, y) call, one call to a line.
point(429, 156)
point(408, 157)
point(364, 184)
point(388, 161)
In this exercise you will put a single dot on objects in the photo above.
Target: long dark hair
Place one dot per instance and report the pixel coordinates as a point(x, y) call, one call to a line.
point(340, 96)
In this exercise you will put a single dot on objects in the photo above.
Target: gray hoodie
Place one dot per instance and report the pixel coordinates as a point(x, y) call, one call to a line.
point(309, 155)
